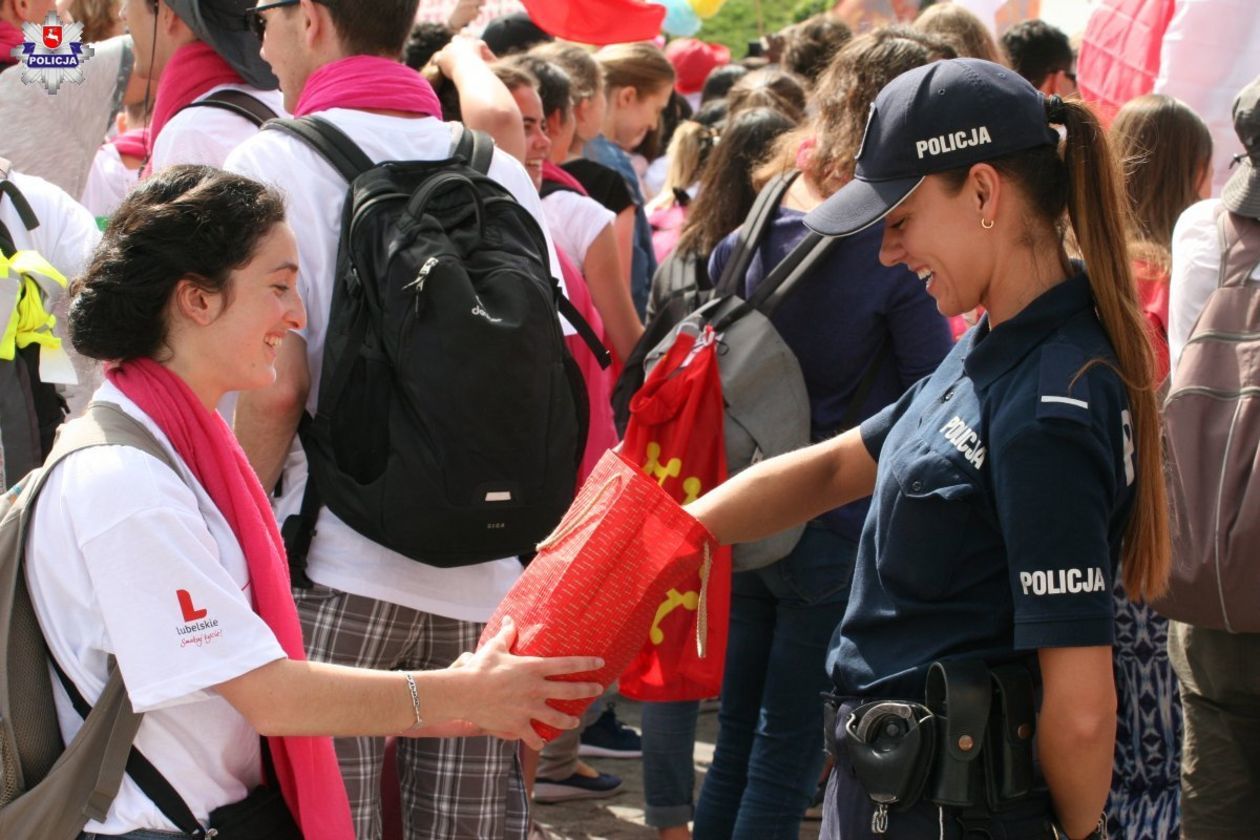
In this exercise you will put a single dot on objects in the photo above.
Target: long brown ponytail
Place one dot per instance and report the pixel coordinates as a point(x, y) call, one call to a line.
point(1097, 216)
point(1086, 183)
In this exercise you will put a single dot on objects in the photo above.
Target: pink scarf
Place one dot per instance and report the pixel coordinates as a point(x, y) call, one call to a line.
point(193, 70)
point(552, 172)
point(10, 37)
point(134, 143)
point(306, 767)
point(368, 83)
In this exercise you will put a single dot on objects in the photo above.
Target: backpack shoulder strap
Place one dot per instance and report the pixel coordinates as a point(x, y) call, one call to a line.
point(475, 147)
point(29, 220)
point(1240, 247)
point(583, 329)
point(783, 279)
point(332, 143)
point(85, 776)
point(751, 232)
point(147, 777)
point(238, 102)
point(551, 187)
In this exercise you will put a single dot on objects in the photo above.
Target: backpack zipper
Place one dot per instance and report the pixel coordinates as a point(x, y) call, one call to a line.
point(367, 205)
point(1215, 393)
point(1221, 335)
point(417, 286)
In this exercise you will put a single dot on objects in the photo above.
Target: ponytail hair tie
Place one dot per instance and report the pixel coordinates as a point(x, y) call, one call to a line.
point(1056, 111)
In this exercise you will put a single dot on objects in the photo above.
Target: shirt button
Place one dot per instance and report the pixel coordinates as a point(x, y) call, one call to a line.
point(949, 395)
point(916, 486)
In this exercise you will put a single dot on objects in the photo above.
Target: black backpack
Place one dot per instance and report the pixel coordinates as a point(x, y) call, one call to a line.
point(30, 410)
point(451, 419)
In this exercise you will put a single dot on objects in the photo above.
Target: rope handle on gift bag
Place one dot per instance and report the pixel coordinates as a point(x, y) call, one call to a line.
point(573, 518)
point(702, 610)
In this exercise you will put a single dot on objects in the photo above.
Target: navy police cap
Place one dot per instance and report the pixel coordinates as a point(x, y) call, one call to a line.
point(945, 115)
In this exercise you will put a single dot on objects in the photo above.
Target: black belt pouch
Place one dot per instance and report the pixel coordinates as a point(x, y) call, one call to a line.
point(959, 693)
point(1008, 751)
point(260, 816)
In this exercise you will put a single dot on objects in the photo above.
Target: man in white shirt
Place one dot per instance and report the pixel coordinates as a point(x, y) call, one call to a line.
point(62, 232)
point(370, 605)
point(200, 134)
point(1220, 779)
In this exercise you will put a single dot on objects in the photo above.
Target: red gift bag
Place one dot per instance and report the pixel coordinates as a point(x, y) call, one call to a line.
point(675, 436)
point(595, 584)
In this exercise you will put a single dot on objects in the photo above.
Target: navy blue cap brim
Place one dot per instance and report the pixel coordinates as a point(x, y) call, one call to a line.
point(858, 205)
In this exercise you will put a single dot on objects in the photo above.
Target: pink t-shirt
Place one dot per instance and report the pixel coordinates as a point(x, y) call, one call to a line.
point(667, 224)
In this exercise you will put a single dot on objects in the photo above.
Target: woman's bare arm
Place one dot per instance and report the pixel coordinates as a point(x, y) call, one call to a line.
point(788, 490)
point(491, 691)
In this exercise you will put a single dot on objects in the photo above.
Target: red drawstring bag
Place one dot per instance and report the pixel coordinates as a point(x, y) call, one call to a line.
point(675, 436)
point(595, 584)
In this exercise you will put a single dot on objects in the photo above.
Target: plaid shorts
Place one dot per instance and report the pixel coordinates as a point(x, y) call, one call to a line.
point(451, 787)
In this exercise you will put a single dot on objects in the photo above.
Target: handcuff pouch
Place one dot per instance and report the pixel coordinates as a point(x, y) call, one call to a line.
point(890, 744)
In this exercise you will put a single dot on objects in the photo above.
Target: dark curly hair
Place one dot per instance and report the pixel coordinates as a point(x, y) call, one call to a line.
point(811, 45)
point(193, 222)
point(842, 100)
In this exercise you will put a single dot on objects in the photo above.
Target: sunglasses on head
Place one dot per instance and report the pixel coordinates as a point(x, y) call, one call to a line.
point(257, 23)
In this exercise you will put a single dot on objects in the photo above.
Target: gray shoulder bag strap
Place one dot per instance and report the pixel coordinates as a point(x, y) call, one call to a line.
point(58, 790)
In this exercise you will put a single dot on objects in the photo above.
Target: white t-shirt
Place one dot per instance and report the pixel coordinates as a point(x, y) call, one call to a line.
point(108, 183)
point(340, 557)
point(67, 236)
point(575, 220)
point(128, 559)
point(207, 135)
point(1196, 268)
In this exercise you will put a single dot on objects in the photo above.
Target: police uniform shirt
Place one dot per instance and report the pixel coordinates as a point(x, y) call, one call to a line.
point(1004, 484)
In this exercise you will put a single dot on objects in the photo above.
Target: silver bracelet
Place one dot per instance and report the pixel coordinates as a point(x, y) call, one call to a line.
point(415, 700)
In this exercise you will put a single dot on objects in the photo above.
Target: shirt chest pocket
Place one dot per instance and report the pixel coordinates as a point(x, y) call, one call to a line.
point(933, 511)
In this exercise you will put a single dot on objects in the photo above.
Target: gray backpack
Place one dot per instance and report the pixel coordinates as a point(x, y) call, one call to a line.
point(1212, 449)
point(49, 789)
point(767, 407)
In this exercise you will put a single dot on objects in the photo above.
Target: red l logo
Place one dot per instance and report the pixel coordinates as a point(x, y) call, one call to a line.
point(52, 37)
point(191, 613)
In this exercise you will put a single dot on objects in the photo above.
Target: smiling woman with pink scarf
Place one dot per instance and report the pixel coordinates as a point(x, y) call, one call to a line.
point(180, 575)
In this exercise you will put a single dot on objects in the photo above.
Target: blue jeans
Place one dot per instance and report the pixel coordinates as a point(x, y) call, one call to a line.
point(669, 766)
point(770, 745)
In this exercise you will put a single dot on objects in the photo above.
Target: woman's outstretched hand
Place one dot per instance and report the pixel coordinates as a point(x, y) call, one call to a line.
point(505, 692)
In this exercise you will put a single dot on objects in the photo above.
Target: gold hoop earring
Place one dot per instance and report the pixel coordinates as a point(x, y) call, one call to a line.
point(989, 226)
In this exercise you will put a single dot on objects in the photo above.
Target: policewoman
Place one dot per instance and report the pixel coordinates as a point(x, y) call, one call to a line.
point(1009, 487)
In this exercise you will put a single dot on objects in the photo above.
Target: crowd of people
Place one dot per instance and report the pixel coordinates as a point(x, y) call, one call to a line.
point(1007, 287)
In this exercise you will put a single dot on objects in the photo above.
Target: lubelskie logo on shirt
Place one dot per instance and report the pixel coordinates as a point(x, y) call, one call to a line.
point(198, 629)
point(190, 612)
